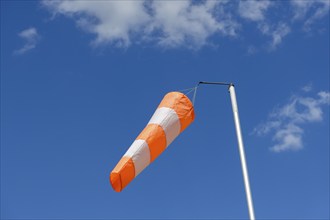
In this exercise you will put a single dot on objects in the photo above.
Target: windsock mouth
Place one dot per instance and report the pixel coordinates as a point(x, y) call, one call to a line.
point(190, 104)
point(115, 181)
point(184, 95)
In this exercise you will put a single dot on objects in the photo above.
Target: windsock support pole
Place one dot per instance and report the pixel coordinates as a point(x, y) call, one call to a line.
point(231, 90)
point(241, 150)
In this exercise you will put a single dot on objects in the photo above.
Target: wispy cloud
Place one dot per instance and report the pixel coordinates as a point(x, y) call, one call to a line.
point(276, 32)
point(254, 10)
point(185, 23)
point(285, 124)
point(31, 38)
point(307, 88)
point(310, 11)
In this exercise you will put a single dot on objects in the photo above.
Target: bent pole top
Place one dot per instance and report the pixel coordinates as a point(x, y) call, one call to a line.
point(231, 89)
point(216, 83)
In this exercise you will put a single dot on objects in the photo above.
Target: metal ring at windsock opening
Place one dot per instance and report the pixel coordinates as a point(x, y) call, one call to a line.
point(174, 114)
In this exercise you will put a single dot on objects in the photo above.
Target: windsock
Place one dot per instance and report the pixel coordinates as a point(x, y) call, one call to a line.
point(174, 114)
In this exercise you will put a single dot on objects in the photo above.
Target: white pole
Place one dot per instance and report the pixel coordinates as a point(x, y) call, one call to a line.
point(241, 151)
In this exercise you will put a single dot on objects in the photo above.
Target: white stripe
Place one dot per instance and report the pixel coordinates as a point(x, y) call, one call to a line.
point(140, 154)
point(169, 121)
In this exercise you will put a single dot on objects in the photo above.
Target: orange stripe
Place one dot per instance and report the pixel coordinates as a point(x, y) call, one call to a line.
point(122, 174)
point(181, 105)
point(155, 137)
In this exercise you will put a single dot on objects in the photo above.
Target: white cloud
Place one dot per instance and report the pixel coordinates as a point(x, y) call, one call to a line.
point(300, 8)
point(313, 10)
point(289, 137)
point(253, 10)
point(265, 128)
point(277, 33)
point(324, 97)
point(168, 23)
point(181, 22)
point(307, 88)
point(286, 123)
point(111, 21)
point(185, 23)
point(31, 37)
point(251, 49)
point(304, 109)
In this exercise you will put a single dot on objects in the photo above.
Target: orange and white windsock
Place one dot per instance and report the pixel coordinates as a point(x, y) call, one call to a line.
point(173, 115)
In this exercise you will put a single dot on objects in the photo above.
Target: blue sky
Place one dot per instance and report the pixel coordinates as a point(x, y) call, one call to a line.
point(80, 80)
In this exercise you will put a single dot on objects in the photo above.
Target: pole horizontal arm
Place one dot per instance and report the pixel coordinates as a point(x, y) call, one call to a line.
point(216, 83)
